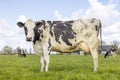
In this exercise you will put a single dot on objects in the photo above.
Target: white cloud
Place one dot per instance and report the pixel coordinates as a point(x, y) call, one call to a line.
point(112, 32)
point(77, 14)
point(59, 16)
point(115, 28)
point(5, 32)
point(12, 35)
point(74, 15)
point(107, 13)
point(22, 18)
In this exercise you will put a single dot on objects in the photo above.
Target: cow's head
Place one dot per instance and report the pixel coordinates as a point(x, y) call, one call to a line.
point(31, 29)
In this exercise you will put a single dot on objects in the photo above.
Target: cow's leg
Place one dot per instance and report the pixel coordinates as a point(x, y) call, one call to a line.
point(42, 63)
point(46, 57)
point(92, 48)
point(95, 58)
point(106, 54)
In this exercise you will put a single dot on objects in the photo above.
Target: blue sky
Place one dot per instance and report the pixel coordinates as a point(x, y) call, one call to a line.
point(11, 11)
point(42, 9)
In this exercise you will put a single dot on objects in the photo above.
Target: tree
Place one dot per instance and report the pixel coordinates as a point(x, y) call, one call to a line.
point(116, 43)
point(7, 50)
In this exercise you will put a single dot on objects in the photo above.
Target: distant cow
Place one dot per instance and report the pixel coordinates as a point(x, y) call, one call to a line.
point(111, 51)
point(63, 36)
point(21, 52)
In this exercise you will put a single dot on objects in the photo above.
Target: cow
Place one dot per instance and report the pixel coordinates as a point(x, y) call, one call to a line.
point(111, 51)
point(62, 36)
point(21, 52)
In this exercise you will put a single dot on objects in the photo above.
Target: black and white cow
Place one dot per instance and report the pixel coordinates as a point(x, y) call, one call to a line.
point(63, 36)
point(21, 52)
point(111, 51)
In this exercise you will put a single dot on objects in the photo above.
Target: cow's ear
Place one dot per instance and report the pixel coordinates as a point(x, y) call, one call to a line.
point(38, 23)
point(20, 24)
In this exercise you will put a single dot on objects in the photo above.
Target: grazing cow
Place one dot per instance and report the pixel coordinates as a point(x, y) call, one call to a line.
point(111, 51)
point(63, 36)
point(21, 52)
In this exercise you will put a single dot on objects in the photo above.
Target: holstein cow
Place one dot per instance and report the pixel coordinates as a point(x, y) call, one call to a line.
point(63, 36)
point(21, 52)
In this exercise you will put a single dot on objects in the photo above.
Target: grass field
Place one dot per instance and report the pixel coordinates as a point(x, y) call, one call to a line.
point(62, 67)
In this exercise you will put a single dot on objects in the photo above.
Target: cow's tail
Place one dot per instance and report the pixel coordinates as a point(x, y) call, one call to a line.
point(100, 31)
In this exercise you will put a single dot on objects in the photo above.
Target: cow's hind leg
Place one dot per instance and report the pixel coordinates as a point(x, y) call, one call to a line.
point(93, 50)
point(94, 54)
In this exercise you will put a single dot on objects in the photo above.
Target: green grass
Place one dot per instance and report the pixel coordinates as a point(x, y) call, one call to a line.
point(62, 67)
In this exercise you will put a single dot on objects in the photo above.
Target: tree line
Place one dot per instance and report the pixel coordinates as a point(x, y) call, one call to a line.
point(7, 50)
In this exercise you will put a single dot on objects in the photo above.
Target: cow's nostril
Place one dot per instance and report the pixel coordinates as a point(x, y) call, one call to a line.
point(29, 39)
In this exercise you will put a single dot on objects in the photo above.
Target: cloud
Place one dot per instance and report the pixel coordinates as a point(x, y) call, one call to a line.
point(74, 15)
point(77, 14)
point(12, 35)
point(107, 13)
point(22, 18)
point(5, 32)
point(58, 16)
point(112, 32)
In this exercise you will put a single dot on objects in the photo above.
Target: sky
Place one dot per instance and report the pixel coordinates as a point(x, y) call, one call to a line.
point(12, 11)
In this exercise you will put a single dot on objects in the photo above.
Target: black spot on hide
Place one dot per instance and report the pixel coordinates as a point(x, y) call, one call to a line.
point(51, 24)
point(38, 34)
point(49, 43)
point(44, 26)
point(38, 30)
point(58, 29)
point(65, 31)
point(56, 22)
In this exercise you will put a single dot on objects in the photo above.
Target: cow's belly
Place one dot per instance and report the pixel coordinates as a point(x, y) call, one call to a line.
point(84, 47)
point(64, 48)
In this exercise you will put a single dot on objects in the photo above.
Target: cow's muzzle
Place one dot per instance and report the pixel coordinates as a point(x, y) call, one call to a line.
point(29, 39)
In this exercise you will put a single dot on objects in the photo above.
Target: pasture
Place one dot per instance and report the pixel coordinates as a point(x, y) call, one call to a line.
point(62, 67)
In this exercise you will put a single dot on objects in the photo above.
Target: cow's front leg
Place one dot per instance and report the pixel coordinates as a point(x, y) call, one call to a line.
point(46, 61)
point(46, 57)
point(42, 63)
